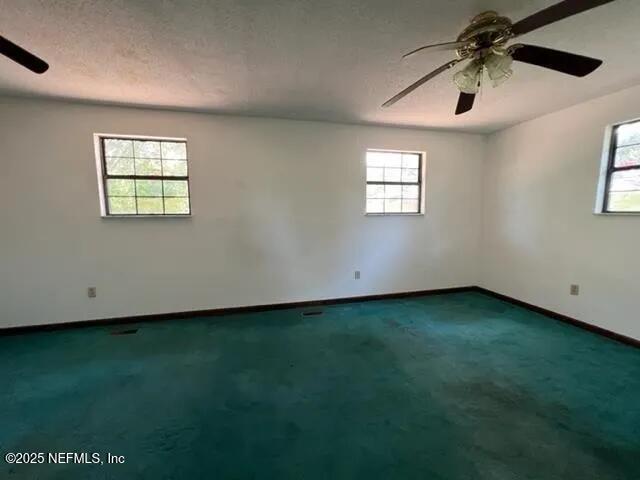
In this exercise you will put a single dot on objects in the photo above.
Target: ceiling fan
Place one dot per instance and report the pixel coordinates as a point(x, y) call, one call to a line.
point(484, 43)
point(22, 56)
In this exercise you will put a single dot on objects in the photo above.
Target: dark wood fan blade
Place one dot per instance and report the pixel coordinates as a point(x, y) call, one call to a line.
point(21, 56)
point(438, 46)
point(555, 13)
point(564, 62)
point(420, 82)
point(465, 102)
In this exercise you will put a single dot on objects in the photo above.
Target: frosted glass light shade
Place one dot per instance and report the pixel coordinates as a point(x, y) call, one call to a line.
point(468, 79)
point(498, 67)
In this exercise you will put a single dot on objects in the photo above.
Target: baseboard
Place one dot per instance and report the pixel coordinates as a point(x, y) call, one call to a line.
point(563, 318)
point(214, 312)
point(226, 311)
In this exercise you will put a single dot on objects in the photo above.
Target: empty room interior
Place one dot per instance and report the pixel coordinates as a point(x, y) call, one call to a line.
point(304, 239)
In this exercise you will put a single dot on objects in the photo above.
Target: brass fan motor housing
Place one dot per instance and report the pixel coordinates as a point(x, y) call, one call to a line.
point(486, 30)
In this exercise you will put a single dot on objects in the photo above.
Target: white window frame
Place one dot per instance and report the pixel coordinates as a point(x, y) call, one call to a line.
point(606, 161)
point(421, 177)
point(97, 142)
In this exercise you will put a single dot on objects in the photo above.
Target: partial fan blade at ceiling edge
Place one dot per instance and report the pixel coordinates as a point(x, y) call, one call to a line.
point(22, 56)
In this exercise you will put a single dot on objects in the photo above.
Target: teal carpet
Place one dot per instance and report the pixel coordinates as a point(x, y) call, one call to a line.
point(457, 387)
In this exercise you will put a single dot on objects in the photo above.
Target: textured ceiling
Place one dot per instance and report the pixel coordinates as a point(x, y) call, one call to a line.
point(334, 60)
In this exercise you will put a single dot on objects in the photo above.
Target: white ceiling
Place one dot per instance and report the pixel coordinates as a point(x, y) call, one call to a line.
point(335, 60)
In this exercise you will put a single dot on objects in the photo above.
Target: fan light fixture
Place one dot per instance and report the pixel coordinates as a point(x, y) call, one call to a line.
point(498, 65)
point(468, 79)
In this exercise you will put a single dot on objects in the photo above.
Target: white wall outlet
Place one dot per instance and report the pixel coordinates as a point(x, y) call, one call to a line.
point(575, 290)
point(356, 275)
point(91, 292)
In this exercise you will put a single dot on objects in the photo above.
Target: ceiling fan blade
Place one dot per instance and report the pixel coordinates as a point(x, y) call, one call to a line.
point(438, 46)
point(465, 102)
point(565, 62)
point(554, 13)
point(21, 56)
point(420, 82)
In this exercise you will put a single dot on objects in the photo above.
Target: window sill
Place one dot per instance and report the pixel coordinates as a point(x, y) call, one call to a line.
point(618, 214)
point(394, 214)
point(146, 216)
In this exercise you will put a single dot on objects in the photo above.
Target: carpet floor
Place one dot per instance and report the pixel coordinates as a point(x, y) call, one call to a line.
point(448, 387)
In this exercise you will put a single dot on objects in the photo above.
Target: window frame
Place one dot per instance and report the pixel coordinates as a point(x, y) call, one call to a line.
point(103, 176)
point(611, 149)
point(419, 183)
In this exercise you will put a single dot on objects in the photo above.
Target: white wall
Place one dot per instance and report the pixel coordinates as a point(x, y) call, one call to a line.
point(539, 231)
point(277, 216)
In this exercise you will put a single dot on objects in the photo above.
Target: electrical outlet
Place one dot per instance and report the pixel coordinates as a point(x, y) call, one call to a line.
point(356, 275)
point(575, 290)
point(91, 292)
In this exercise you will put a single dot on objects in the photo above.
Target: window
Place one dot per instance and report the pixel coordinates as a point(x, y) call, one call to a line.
point(394, 182)
point(622, 190)
point(144, 176)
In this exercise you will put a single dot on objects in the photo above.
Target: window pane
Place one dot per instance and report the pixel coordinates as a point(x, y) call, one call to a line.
point(120, 187)
point(410, 206)
point(375, 206)
point(410, 175)
point(392, 174)
point(122, 205)
point(410, 191)
point(625, 181)
point(174, 150)
point(118, 148)
point(627, 156)
point(624, 202)
point(628, 134)
point(393, 206)
point(176, 188)
point(392, 191)
point(624, 191)
point(150, 205)
point(145, 166)
point(157, 160)
point(375, 159)
point(393, 169)
point(176, 206)
point(374, 174)
point(410, 160)
point(174, 168)
point(146, 149)
point(375, 191)
point(119, 166)
point(384, 159)
point(149, 188)
point(392, 159)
